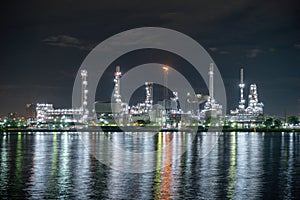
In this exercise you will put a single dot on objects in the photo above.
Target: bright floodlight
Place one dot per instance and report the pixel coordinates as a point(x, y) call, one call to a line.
point(165, 68)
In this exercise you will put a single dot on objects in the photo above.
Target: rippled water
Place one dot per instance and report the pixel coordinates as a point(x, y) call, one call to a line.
point(166, 166)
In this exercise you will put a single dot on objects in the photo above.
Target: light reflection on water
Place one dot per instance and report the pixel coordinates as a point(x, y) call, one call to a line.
point(63, 165)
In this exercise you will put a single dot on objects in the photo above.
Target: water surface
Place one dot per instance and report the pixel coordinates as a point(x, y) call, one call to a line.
point(185, 166)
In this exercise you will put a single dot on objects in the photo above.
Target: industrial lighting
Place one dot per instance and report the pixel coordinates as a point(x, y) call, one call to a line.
point(165, 68)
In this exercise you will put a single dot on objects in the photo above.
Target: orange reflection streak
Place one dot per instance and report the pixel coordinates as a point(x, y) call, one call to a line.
point(166, 174)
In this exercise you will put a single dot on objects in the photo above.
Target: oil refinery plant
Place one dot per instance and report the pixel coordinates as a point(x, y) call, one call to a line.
point(165, 113)
point(251, 115)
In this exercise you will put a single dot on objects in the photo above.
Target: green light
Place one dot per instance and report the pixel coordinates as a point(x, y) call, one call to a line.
point(157, 186)
point(18, 173)
point(232, 169)
point(55, 156)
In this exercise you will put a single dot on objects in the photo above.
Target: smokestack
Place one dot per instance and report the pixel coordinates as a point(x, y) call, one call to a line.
point(242, 85)
point(211, 80)
point(117, 95)
point(84, 95)
point(242, 75)
point(149, 95)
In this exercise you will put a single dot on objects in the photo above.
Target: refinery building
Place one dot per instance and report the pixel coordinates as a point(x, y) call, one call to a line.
point(249, 116)
point(166, 113)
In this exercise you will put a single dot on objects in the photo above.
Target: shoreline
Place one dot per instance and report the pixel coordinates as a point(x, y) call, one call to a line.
point(155, 129)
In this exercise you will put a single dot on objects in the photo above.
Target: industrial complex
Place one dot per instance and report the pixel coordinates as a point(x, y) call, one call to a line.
point(201, 110)
point(167, 113)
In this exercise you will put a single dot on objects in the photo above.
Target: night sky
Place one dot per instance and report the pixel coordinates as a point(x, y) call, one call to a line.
point(43, 44)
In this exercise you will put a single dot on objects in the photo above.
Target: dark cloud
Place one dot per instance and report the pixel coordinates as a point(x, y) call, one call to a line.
point(68, 41)
point(224, 52)
point(213, 49)
point(253, 53)
point(272, 50)
point(217, 50)
point(17, 87)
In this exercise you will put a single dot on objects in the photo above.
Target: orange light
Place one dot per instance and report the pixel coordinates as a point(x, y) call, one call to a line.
point(166, 68)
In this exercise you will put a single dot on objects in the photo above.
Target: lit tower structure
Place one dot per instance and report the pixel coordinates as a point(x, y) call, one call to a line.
point(247, 117)
point(211, 107)
point(241, 108)
point(254, 107)
point(117, 94)
point(120, 108)
point(252, 99)
point(211, 81)
point(242, 86)
point(84, 91)
point(166, 70)
point(149, 95)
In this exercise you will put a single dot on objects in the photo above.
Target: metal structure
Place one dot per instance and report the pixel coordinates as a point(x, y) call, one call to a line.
point(167, 112)
point(166, 71)
point(242, 86)
point(254, 107)
point(211, 107)
point(252, 114)
point(211, 81)
point(149, 95)
point(84, 84)
point(117, 95)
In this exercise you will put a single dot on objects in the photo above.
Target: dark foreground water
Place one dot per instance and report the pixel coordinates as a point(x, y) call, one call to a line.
point(165, 166)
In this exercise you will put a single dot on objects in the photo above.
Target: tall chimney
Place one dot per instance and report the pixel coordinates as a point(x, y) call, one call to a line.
point(211, 80)
point(242, 85)
point(117, 94)
point(84, 99)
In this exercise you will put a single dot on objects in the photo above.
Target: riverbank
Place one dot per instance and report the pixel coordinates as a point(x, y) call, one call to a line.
point(155, 129)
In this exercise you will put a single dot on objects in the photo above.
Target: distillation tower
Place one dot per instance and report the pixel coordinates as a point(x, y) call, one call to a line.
point(254, 108)
point(211, 107)
point(117, 94)
point(149, 95)
point(242, 86)
point(84, 91)
point(211, 81)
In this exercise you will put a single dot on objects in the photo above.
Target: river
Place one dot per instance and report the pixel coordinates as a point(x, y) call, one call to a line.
point(149, 165)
